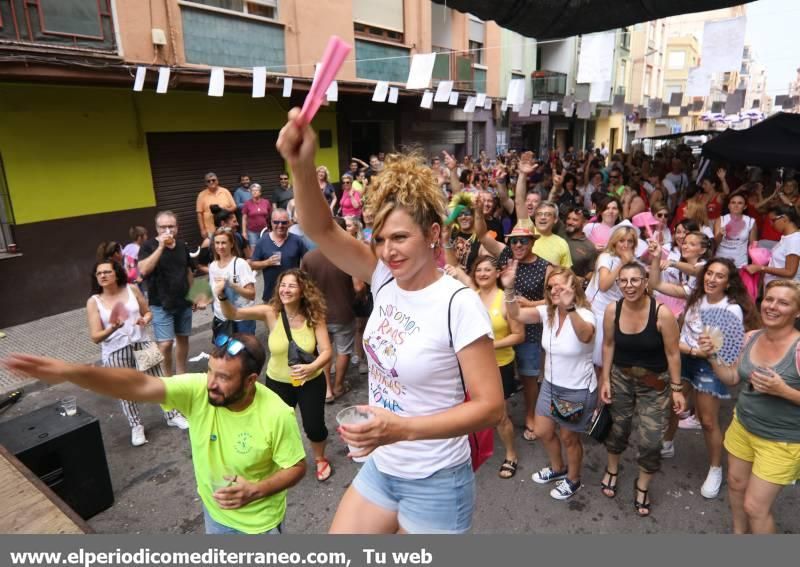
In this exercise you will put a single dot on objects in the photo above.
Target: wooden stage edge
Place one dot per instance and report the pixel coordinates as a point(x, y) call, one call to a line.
point(30, 507)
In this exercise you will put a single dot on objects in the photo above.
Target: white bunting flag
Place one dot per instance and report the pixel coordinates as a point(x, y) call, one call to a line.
point(394, 93)
point(381, 89)
point(453, 98)
point(287, 87)
point(443, 90)
point(138, 83)
point(163, 80)
point(699, 82)
point(723, 45)
point(487, 104)
point(516, 92)
point(469, 106)
point(259, 82)
point(504, 106)
point(419, 75)
point(596, 61)
point(554, 106)
point(480, 99)
point(427, 100)
point(535, 108)
point(332, 94)
point(216, 83)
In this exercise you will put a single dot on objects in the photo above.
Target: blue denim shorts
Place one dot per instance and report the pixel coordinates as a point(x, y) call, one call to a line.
point(168, 324)
point(439, 504)
point(699, 373)
point(529, 359)
point(213, 527)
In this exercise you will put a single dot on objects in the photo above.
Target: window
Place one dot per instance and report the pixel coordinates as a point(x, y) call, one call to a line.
point(625, 39)
point(262, 8)
point(477, 38)
point(648, 78)
point(379, 18)
point(676, 60)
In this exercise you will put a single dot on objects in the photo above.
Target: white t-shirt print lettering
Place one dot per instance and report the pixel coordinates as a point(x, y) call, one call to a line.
point(413, 370)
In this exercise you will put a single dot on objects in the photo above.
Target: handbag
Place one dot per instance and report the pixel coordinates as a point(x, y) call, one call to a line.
point(565, 410)
point(481, 443)
point(600, 424)
point(147, 357)
point(295, 354)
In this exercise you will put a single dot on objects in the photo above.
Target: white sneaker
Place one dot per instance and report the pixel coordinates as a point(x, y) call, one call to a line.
point(668, 450)
point(178, 421)
point(690, 422)
point(565, 489)
point(710, 488)
point(137, 436)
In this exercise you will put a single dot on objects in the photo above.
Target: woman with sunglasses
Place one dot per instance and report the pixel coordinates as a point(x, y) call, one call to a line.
point(238, 279)
point(661, 232)
point(298, 304)
point(786, 254)
point(719, 287)
point(507, 333)
point(763, 440)
point(428, 339)
point(351, 201)
point(568, 394)
point(640, 359)
point(117, 314)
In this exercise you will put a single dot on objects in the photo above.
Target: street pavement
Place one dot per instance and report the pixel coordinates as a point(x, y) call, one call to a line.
point(155, 491)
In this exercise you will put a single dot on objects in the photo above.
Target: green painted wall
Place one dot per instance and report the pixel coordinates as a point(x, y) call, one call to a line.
point(72, 151)
point(382, 69)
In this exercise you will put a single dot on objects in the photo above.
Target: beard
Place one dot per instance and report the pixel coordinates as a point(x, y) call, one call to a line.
point(230, 399)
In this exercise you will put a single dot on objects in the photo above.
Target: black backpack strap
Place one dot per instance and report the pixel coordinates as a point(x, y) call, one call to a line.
point(286, 328)
point(450, 337)
point(383, 285)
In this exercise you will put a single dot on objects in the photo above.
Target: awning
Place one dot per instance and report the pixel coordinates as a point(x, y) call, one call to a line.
point(775, 142)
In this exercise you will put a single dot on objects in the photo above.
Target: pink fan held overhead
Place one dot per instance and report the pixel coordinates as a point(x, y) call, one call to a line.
point(332, 61)
point(647, 221)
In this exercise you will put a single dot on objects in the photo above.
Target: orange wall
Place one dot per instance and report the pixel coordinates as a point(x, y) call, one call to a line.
point(134, 17)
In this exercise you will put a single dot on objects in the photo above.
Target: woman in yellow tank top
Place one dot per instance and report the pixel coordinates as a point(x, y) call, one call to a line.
point(297, 296)
point(484, 279)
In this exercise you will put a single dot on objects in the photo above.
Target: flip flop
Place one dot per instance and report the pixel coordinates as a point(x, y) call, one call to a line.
point(529, 435)
point(345, 389)
point(326, 471)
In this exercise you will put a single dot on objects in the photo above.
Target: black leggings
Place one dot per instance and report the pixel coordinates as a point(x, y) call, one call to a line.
point(311, 399)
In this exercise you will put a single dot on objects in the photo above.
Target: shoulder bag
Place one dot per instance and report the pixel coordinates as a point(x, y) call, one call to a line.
point(296, 355)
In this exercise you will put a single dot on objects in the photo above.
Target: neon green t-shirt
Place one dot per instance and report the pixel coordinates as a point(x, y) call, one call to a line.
point(554, 249)
point(254, 444)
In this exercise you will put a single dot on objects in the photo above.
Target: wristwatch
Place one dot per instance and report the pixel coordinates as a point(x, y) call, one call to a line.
point(571, 309)
point(222, 297)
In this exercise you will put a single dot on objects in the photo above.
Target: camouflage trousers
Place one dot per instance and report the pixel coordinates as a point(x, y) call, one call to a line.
point(629, 397)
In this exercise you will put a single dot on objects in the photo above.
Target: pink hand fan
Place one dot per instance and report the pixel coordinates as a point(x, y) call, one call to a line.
point(118, 313)
point(600, 234)
point(332, 61)
point(647, 221)
point(759, 256)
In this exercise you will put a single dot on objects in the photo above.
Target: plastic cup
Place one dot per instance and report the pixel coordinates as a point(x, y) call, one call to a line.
point(278, 256)
point(297, 382)
point(68, 406)
point(349, 416)
point(222, 480)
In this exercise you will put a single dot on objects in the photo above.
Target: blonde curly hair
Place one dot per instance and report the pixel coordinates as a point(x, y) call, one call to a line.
point(407, 183)
point(312, 303)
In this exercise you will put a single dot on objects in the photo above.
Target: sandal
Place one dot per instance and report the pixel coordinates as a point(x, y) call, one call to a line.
point(643, 507)
point(345, 389)
point(330, 399)
point(611, 485)
point(326, 471)
point(508, 469)
point(529, 435)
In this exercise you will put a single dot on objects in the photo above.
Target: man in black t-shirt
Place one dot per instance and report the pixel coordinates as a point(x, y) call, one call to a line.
point(165, 265)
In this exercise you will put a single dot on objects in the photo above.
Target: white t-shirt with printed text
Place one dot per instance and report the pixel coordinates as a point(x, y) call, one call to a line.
point(413, 370)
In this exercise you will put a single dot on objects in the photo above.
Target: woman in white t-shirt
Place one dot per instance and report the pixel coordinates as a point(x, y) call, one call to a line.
point(720, 287)
point(735, 231)
point(603, 289)
point(418, 476)
point(240, 283)
point(569, 375)
point(786, 254)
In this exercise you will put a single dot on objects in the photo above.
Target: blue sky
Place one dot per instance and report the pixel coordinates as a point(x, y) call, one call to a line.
point(772, 31)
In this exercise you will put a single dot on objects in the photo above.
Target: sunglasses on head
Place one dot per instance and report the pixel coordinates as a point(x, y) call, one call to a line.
point(232, 346)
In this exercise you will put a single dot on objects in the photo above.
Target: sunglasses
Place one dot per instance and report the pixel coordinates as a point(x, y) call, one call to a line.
point(662, 215)
point(514, 240)
point(210, 181)
point(283, 178)
point(232, 346)
point(280, 222)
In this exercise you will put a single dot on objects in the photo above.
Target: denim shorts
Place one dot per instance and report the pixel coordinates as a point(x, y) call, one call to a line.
point(169, 324)
point(213, 527)
point(529, 359)
point(699, 373)
point(439, 504)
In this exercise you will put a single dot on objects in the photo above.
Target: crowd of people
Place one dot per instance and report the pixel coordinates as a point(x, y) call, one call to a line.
point(585, 280)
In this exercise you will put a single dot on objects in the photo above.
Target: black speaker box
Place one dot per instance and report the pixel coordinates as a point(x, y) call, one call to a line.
point(66, 453)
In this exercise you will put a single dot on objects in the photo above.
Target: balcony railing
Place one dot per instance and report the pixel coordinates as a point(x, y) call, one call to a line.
point(457, 67)
point(84, 24)
point(548, 84)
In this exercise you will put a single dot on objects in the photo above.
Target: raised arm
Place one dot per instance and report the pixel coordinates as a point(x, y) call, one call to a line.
point(298, 147)
point(502, 192)
point(654, 278)
point(452, 165)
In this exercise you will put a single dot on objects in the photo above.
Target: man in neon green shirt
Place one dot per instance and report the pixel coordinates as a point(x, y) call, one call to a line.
point(246, 446)
point(550, 246)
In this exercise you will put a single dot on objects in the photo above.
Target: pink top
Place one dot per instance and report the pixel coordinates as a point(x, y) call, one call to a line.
point(257, 214)
point(351, 203)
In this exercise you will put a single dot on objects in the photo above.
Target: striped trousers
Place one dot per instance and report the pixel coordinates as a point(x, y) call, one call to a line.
point(123, 358)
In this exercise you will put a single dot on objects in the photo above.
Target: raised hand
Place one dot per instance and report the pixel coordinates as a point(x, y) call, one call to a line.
point(449, 161)
point(509, 274)
point(297, 144)
point(526, 165)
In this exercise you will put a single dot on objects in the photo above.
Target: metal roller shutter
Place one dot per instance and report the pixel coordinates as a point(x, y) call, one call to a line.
point(180, 160)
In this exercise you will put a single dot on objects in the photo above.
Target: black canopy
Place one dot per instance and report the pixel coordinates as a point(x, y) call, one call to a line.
point(548, 19)
point(775, 142)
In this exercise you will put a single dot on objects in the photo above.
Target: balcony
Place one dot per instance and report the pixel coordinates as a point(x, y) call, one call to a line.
point(548, 84)
point(73, 24)
point(457, 67)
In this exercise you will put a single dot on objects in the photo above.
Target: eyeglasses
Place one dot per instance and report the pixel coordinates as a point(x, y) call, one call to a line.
point(465, 214)
point(544, 214)
point(514, 240)
point(280, 222)
point(662, 215)
point(283, 178)
point(104, 273)
point(635, 282)
point(166, 227)
point(347, 182)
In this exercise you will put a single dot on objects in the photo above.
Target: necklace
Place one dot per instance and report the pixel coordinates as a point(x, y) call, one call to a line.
point(291, 317)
